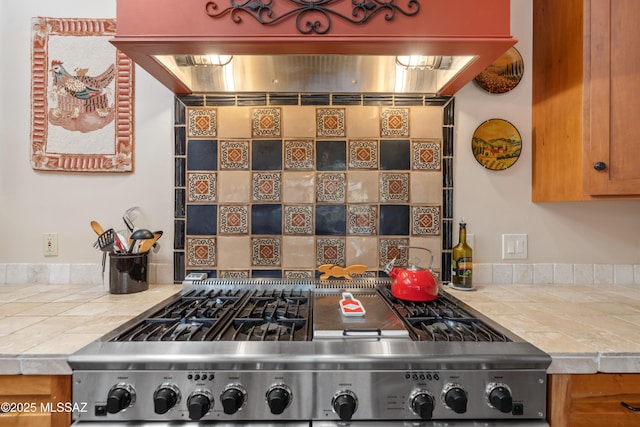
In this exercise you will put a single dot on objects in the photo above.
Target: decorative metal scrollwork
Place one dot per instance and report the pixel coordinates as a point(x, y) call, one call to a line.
point(319, 12)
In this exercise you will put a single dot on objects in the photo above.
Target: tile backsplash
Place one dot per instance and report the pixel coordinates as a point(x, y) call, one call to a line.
point(273, 185)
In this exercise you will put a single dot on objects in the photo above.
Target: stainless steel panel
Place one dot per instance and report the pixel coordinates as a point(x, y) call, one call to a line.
point(192, 424)
point(430, 424)
point(378, 322)
point(314, 73)
point(380, 394)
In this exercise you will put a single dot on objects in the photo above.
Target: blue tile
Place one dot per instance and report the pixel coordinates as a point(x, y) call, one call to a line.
point(394, 220)
point(395, 154)
point(180, 114)
point(178, 267)
point(331, 155)
point(179, 170)
point(179, 202)
point(331, 220)
point(266, 219)
point(192, 100)
point(266, 154)
point(202, 155)
point(271, 274)
point(446, 267)
point(180, 139)
point(202, 220)
point(178, 234)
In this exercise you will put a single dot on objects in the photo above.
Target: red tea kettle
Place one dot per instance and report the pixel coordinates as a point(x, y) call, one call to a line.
point(413, 283)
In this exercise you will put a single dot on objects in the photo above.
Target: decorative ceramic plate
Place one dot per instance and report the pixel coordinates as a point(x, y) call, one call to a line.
point(496, 144)
point(503, 74)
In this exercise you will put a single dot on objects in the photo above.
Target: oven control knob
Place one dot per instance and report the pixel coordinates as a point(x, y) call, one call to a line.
point(120, 397)
point(345, 404)
point(232, 399)
point(422, 404)
point(165, 398)
point(278, 398)
point(456, 398)
point(500, 397)
point(199, 403)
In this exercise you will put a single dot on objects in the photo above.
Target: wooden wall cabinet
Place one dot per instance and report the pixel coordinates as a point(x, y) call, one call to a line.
point(35, 393)
point(586, 100)
point(593, 400)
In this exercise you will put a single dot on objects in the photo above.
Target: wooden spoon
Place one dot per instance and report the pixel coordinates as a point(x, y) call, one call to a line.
point(97, 227)
point(147, 244)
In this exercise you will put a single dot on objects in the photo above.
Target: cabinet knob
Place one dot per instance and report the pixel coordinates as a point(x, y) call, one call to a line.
point(599, 166)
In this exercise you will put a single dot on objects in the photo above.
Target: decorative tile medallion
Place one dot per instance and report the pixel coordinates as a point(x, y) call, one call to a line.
point(298, 219)
point(331, 187)
point(202, 122)
point(330, 122)
point(233, 274)
point(363, 154)
point(298, 274)
point(394, 122)
point(425, 220)
point(266, 186)
point(266, 122)
point(425, 155)
point(202, 187)
point(201, 252)
point(265, 251)
point(362, 219)
point(389, 250)
point(330, 251)
point(394, 187)
point(298, 154)
point(234, 219)
point(234, 154)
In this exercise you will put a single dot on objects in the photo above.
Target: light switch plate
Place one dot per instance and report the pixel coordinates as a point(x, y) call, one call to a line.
point(514, 246)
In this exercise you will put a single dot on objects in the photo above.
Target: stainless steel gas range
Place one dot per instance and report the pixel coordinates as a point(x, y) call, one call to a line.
point(280, 353)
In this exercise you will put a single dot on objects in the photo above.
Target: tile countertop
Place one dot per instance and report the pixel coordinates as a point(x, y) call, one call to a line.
point(585, 328)
point(40, 325)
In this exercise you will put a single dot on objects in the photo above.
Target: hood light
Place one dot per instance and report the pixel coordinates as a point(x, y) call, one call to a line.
point(413, 62)
point(203, 60)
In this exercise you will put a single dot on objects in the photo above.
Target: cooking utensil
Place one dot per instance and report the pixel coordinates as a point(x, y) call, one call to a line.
point(106, 242)
point(97, 227)
point(121, 243)
point(140, 234)
point(146, 245)
point(128, 217)
point(414, 283)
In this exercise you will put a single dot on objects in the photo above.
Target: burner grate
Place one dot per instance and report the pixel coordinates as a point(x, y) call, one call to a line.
point(197, 315)
point(442, 320)
point(272, 315)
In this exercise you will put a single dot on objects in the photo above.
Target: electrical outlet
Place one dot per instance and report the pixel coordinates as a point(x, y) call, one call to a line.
point(514, 246)
point(50, 244)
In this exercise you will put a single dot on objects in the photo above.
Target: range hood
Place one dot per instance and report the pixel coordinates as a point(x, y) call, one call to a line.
point(338, 46)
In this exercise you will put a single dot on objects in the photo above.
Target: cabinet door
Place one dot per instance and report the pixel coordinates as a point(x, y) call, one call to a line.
point(593, 400)
point(612, 161)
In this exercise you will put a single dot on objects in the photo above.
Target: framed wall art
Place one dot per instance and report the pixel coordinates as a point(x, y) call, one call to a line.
point(81, 97)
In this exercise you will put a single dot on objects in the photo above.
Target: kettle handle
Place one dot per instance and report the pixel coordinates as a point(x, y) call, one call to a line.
point(419, 247)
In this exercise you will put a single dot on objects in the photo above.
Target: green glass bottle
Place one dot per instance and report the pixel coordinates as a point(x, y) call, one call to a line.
point(462, 261)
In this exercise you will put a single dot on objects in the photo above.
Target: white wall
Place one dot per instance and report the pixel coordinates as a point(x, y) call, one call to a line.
point(36, 202)
point(498, 202)
point(492, 203)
